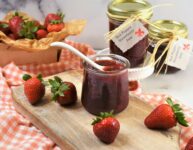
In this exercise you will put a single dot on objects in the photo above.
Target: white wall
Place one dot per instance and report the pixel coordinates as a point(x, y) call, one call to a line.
point(95, 12)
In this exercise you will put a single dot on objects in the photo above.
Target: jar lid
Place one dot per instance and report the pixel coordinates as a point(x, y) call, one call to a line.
point(180, 29)
point(122, 9)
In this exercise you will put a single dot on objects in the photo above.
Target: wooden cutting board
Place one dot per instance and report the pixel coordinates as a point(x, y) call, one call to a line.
point(70, 127)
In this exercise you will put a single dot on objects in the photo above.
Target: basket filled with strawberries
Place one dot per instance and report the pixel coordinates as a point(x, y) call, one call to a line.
point(25, 40)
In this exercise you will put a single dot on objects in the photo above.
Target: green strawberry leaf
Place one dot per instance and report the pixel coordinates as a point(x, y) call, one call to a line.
point(28, 30)
point(26, 77)
point(4, 25)
point(59, 80)
point(102, 116)
point(58, 87)
point(180, 117)
point(39, 76)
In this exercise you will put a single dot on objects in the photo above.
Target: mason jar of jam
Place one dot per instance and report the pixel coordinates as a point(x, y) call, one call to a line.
point(104, 91)
point(155, 34)
point(118, 12)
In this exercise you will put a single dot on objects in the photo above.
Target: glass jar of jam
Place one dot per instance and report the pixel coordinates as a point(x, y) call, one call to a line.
point(156, 34)
point(108, 90)
point(118, 12)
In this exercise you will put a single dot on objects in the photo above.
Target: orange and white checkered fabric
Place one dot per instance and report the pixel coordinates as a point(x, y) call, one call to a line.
point(16, 132)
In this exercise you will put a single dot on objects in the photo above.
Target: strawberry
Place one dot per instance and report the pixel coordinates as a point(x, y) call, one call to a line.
point(41, 33)
point(63, 92)
point(15, 24)
point(4, 27)
point(55, 27)
point(165, 116)
point(133, 85)
point(53, 17)
point(189, 145)
point(106, 127)
point(34, 88)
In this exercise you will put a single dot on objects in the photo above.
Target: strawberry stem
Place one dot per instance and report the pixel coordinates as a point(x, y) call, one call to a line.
point(102, 116)
point(57, 87)
point(180, 117)
point(26, 77)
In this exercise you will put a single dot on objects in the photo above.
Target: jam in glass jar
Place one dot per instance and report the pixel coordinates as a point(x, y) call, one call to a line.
point(104, 91)
point(155, 34)
point(118, 12)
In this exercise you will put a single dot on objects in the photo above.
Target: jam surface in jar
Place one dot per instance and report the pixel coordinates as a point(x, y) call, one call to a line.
point(105, 91)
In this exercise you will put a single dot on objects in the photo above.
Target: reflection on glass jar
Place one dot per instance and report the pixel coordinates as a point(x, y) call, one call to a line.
point(156, 34)
point(118, 12)
point(106, 91)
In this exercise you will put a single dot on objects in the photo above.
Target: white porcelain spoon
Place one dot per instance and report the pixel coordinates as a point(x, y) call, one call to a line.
point(78, 53)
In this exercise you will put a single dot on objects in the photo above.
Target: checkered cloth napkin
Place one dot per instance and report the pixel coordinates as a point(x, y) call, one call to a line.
point(16, 132)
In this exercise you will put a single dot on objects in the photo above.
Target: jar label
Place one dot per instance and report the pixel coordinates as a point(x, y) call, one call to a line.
point(129, 36)
point(179, 54)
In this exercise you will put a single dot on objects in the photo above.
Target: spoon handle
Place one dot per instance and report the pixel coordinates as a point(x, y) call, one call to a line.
point(78, 53)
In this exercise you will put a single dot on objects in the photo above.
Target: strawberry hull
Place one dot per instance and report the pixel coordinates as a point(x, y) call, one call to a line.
point(21, 57)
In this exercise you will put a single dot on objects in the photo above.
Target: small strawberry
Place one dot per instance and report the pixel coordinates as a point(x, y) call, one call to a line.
point(165, 116)
point(105, 127)
point(41, 33)
point(63, 92)
point(34, 89)
point(4, 27)
point(53, 17)
point(15, 24)
point(55, 27)
point(133, 85)
point(189, 145)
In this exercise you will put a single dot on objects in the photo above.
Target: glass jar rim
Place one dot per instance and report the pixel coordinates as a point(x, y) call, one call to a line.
point(119, 10)
point(115, 57)
point(157, 34)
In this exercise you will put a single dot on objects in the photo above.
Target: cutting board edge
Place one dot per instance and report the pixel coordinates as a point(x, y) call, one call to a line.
point(38, 124)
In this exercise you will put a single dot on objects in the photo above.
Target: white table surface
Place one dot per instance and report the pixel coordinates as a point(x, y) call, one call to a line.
point(178, 85)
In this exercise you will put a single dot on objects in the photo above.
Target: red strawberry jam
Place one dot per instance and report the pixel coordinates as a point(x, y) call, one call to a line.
point(108, 90)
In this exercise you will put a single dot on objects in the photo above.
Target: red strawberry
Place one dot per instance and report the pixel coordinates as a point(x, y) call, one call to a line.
point(15, 24)
point(133, 85)
point(4, 27)
point(34, 89)
point(55, 27)
point(41, 33)
point(63, 92)
point(189, 145)
point(165, 116)
point(106, 128)
point(53, 17)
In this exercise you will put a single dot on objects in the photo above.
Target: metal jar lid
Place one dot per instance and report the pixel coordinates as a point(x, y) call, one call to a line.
point(156, 34)
point(122, 9)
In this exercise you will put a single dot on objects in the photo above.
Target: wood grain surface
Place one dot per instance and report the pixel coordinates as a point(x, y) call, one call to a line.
point(70, 127)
